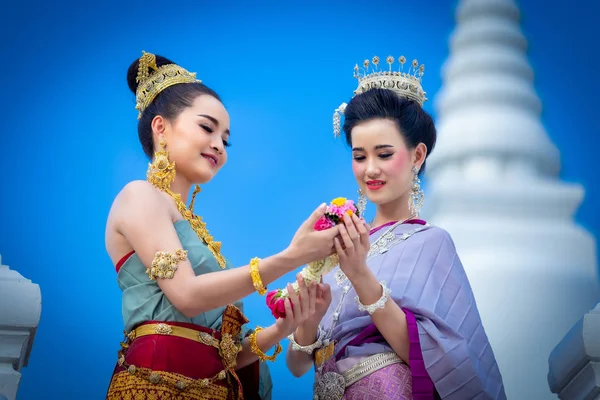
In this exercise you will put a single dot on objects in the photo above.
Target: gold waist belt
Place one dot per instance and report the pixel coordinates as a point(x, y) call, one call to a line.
point(370, 365)
point(172, 330)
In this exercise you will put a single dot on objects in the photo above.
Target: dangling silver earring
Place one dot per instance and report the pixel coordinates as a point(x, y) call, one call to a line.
point(362, 204)
point(416, 197)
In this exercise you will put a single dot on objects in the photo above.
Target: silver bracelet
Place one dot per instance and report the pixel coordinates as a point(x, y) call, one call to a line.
point(307, 349)
point(378, 304)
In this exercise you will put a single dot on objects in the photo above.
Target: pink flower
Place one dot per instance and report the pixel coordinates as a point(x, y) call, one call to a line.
point(273, 295)
point(276, 303)
point(323, 223)
point(279, 310)
point(333, 215)
point(346, 208)
point(349, 206)
point(333, 209)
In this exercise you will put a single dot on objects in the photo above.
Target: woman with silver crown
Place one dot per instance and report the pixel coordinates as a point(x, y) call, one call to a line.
point(399, 320)
point(184, 327)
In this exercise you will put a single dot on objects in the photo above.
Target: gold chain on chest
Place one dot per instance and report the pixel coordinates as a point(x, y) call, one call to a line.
point(197, 224)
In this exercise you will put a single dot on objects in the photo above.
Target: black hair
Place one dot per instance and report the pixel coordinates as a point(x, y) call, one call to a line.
point(169, 103)
point(412, 121)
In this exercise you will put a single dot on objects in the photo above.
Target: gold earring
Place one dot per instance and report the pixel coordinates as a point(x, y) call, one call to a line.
point(161, 172)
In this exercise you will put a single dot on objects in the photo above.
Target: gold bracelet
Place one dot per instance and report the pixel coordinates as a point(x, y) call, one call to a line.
point(255, 275)
point(256, 350)
point(164, 264)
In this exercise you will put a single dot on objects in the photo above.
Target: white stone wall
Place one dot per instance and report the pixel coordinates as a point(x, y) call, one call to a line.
point(574, 363)
point(20, 310)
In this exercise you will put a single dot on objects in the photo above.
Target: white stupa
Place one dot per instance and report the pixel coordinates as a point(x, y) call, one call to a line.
point(493, 184)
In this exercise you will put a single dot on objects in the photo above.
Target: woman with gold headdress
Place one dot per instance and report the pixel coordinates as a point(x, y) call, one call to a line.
point(181, 298)
point(400, 320)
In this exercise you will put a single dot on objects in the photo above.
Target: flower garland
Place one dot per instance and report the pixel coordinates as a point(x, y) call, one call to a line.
point(314, 270)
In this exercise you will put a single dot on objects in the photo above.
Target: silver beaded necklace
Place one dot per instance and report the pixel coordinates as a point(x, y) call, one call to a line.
point(331, 385)
point(380, 246)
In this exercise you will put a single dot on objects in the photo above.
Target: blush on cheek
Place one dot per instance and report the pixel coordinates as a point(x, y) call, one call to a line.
point(398, 164)
point(358, 170)
point(401, 159)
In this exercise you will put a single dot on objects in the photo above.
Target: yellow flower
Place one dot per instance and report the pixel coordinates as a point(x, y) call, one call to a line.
point(340, 201)
point(349, 212)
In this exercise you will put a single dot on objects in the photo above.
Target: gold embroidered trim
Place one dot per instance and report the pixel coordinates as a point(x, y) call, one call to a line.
point(170, 386)
point(164, 264)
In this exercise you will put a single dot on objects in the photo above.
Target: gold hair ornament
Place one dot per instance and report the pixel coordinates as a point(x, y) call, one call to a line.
point(404, 84)
point(150, 84)
point(164, 264)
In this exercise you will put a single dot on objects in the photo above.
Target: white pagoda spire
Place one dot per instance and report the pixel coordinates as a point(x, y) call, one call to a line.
point(493, 184)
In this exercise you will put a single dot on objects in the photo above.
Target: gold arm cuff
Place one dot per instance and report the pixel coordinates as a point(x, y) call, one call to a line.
point(256, 350)
point(164, 264)
point(255, 275)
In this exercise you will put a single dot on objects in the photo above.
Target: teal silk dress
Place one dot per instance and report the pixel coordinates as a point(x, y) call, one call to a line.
point(164, 366)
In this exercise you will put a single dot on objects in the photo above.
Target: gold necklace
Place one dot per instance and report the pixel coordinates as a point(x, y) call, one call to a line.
point(161, 174)
point(197, 224)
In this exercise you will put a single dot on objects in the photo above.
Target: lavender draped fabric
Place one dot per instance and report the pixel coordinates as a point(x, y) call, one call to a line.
point(427, 279)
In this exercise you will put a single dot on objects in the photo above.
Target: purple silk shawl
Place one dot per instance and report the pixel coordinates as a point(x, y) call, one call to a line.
point(428, 281)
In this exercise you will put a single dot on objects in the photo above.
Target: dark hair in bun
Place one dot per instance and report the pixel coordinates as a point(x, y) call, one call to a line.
point(169, 103)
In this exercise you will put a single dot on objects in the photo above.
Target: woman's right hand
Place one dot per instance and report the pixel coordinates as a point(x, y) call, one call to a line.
point(309, 245)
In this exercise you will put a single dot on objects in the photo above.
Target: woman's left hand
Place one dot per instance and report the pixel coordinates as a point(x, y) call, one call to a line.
point(353, 253)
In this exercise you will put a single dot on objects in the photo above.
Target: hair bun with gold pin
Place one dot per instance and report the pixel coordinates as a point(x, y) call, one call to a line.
point(152, 80)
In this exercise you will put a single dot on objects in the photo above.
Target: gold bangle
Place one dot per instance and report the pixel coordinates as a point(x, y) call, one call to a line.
point(255, 275)
point(256, 350)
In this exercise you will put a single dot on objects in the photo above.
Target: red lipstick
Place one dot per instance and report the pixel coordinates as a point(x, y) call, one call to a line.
point(375, 184)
